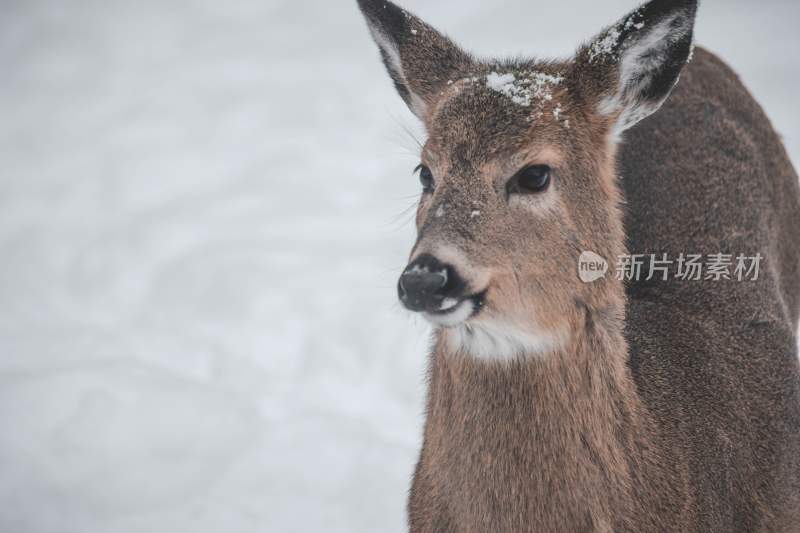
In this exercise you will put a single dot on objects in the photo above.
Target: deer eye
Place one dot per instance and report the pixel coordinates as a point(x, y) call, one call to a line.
point(425, 178)
point(529, 180)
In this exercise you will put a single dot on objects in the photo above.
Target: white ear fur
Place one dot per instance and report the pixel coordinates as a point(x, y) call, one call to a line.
point(420, 60)
point(642, 60)
point(394, 63)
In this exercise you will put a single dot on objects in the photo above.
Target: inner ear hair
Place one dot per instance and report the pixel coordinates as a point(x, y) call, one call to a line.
point(640, 59)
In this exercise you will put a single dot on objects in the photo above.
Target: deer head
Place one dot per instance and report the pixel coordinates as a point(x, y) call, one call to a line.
point(518, 173)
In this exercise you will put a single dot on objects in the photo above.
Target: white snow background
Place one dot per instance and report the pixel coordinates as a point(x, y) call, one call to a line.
point(201, 225)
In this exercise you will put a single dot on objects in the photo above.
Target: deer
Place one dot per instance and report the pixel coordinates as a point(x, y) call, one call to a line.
point(649, 404)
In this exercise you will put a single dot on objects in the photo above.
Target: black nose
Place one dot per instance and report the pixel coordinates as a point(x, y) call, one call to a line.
point(426, 282)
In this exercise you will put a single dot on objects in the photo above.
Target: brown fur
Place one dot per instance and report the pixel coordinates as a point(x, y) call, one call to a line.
point(669, 405)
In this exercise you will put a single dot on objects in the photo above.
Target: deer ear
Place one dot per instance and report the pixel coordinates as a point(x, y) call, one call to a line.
point(419, 59)
point(639, 59)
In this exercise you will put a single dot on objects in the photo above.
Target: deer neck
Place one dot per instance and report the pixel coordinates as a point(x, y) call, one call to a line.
point(567, 421)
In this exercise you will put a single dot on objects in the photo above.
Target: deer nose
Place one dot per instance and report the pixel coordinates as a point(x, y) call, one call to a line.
point(424, 283)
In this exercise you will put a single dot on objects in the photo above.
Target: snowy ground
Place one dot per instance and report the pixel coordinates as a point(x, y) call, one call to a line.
point(201, 224)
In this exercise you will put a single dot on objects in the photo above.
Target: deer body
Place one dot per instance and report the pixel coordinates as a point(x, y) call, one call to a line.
point(690, 421)
point(554, 405)
point(717, 365)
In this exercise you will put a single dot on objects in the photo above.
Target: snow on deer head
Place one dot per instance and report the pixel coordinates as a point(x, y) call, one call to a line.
point(518, 172)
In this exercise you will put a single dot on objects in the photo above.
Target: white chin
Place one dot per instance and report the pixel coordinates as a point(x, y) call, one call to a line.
point(490, 340)
point(454, 317)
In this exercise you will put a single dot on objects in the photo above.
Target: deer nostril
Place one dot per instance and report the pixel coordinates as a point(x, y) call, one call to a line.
point(426, 282)
point(421, 290)
point(423, 285)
